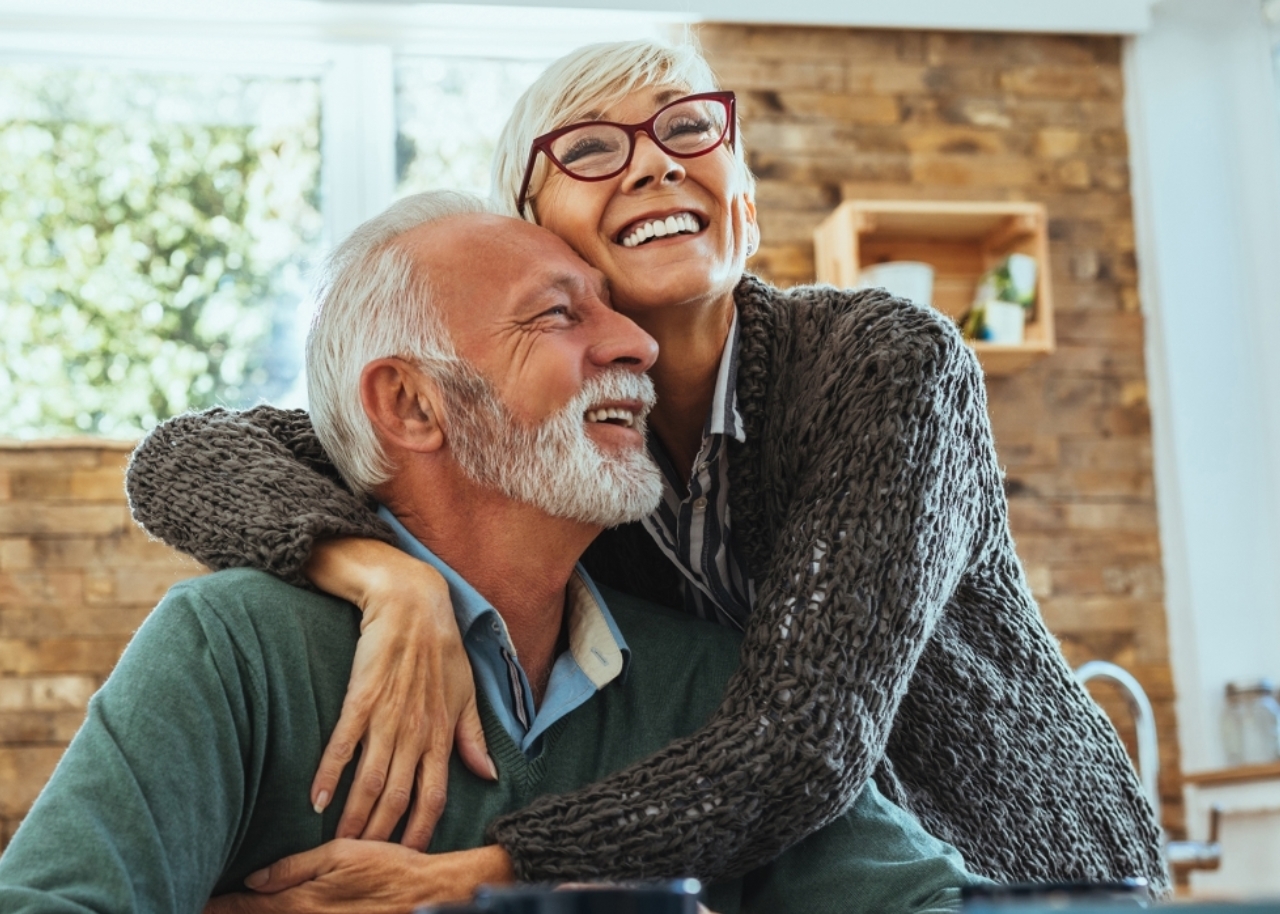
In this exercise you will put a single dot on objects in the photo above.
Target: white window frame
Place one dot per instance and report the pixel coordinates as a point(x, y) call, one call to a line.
point(350, 47)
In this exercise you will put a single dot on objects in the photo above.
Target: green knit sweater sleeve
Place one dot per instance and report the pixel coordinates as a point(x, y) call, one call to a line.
point(143, 812)
point(244, 489)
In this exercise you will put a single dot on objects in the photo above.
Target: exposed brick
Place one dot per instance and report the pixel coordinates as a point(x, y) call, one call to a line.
point(102, 484)
point(841, 109)
point(785, 260)
point(48, 459)
point(885, 79)
point(109, 620)
point(28, 656)
point(37, 588)
point(769, 74)
point(35, 518)
point(46, 693)
point(954, 140)
point(16, 553)
point(1063, 82)
point(1054, 143)
point(23, 771)
point(972, 170)
point(19, 728)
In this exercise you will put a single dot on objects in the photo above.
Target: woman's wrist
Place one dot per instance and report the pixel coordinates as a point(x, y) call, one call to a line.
point(365, 571)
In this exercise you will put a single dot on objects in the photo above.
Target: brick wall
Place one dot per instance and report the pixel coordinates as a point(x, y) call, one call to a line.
point(76, 579)
point(832, 114)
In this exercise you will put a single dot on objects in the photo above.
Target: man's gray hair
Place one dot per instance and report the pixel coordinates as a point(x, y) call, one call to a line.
point(373, 302)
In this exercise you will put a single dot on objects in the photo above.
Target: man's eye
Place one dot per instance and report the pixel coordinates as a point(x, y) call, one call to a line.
point(557, 311)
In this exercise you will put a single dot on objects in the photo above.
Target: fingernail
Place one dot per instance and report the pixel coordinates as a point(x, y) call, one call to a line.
point(322, 800)
point(493, 769)
point(253, 880)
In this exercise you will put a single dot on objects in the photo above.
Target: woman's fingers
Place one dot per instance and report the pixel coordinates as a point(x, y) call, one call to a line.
point(469, 741)
point(428, 805)
point(337, 755)
point(370, 778)
point(393, 800)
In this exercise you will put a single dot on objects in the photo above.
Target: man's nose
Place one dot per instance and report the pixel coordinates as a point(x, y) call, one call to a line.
point(623, 344)
point(651, 165)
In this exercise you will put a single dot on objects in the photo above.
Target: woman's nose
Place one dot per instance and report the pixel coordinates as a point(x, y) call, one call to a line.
point(651, 165)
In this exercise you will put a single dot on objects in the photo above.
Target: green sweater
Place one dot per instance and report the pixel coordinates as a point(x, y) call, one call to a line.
point(193, 765)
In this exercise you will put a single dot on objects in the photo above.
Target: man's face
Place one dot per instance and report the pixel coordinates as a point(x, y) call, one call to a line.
point(550, 406)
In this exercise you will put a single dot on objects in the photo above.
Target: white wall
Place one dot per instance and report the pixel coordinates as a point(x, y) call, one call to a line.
point(1206, 174)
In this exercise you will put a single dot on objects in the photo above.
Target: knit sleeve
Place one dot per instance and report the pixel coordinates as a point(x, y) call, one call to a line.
point(244, 489)
point(883, 492)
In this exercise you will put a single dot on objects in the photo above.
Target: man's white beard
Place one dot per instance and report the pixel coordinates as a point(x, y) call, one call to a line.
point(554, 466)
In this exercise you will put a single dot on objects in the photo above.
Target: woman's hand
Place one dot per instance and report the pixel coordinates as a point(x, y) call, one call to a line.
point(411, 695)
point(366, 876)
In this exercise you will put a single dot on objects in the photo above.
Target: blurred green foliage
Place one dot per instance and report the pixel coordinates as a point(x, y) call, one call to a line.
point(147, 265)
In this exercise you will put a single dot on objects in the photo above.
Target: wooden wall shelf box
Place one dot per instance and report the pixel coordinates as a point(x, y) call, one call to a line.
point(960, 241)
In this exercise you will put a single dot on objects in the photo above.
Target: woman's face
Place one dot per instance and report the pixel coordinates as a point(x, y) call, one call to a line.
point(685, 267)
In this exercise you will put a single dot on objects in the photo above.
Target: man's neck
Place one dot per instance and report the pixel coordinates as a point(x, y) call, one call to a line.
point(517, 557)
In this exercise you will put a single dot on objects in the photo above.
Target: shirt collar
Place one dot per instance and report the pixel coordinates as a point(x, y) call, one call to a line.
point(595, 641)
point(725, 417)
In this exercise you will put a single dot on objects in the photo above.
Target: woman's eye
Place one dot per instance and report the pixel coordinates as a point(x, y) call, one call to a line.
point(584, 148)
point(686, 126)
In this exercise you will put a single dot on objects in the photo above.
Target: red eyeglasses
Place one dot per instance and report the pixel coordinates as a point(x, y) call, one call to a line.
point(598, 150)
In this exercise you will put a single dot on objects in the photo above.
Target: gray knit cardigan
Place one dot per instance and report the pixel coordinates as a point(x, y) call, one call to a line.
point(893, 635)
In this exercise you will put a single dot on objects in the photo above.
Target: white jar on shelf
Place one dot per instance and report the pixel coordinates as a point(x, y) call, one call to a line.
point(1251, 723)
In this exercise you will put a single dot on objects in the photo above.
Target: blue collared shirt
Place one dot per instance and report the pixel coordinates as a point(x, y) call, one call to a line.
point(597, 653)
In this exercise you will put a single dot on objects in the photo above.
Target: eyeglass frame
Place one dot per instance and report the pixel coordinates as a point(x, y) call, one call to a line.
point(543, 143)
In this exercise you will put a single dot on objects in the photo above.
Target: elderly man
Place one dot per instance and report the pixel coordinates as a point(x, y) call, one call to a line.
point(468, 370)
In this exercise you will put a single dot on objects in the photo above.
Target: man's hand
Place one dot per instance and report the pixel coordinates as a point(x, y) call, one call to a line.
point(369, 876)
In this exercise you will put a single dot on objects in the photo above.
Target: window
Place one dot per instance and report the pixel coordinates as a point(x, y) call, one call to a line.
point(155, 229)
point(169, 175)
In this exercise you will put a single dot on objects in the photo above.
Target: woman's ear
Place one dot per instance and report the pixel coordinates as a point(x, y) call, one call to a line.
point(403, 404)
point(752, 227)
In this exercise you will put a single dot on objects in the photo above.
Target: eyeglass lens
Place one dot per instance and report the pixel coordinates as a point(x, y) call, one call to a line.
point(684, 128)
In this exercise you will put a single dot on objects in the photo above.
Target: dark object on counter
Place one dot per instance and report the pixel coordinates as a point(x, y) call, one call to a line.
point(1111, 906)
point(678, 897)
point(1057, 896)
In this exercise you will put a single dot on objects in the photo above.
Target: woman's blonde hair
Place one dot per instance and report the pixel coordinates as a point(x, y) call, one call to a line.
point(583, 82)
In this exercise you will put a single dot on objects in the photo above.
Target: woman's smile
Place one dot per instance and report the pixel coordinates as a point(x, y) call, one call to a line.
point(671, 226)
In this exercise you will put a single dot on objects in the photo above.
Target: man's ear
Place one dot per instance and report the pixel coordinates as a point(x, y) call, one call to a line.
point(403, 404)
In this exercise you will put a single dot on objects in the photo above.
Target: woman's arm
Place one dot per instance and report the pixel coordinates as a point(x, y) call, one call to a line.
point(237, 489)
point(256, 489)
point(881, 522)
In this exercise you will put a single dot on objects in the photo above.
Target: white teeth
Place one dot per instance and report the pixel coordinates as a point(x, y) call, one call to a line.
point(625, 416)
point(659, 228)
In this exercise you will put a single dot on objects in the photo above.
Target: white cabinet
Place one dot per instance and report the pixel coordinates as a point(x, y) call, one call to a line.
point(1249, 831)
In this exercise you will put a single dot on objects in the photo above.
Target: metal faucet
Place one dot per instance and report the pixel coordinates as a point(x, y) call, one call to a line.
point(1181, 856)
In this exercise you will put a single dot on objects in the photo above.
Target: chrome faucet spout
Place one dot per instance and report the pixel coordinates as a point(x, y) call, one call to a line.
point(1144, 721)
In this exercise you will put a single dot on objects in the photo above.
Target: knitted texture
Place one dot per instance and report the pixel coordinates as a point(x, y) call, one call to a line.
point(894, 633)
point(244, 489)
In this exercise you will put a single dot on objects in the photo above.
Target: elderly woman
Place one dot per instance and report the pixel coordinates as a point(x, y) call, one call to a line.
point(831, 488)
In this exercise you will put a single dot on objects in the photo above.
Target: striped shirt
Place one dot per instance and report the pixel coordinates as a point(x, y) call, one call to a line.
point(694, 531)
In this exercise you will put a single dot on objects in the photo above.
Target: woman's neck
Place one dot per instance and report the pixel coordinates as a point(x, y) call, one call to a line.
point(691, 341)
